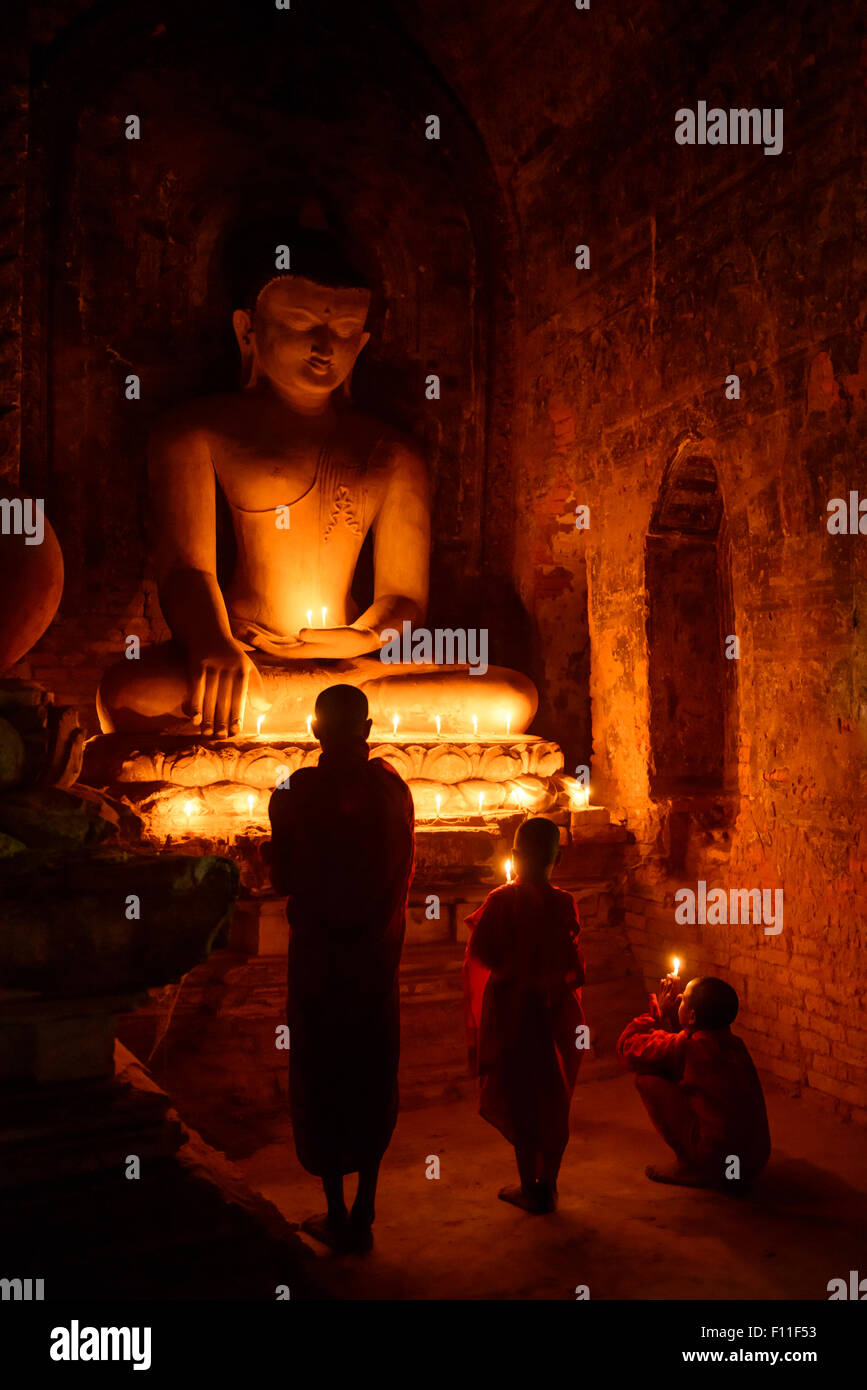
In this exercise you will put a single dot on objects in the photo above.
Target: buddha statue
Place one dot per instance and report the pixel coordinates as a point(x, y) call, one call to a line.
point(305, 476)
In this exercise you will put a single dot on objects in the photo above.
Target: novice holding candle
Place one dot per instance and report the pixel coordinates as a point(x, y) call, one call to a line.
point(523, 974)
point(699, 1085)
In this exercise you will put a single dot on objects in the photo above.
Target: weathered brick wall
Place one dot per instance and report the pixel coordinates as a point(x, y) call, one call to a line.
point(703, 262)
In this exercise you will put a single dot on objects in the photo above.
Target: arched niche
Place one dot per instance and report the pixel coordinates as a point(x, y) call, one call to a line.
point(692, 683)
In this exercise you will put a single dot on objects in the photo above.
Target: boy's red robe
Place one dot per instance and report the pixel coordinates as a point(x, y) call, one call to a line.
point(523, 973)
point(714, 1075)
point(342, 847)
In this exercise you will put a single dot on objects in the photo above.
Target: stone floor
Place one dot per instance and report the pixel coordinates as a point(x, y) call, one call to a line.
point(616, 1232)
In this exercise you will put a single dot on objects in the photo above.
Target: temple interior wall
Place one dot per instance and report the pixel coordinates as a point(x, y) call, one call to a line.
point(561, 388)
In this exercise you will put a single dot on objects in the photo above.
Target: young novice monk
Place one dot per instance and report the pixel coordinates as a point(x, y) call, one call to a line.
point(699, 1085)
point(522, 980)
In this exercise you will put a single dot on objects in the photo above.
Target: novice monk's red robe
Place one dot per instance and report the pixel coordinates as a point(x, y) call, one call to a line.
point(523, 973)
point(702, 1093)
point(342, 847)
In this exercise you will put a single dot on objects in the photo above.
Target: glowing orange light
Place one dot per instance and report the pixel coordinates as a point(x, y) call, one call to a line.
point(475, 724)
point(675, 969)
point(579, 797)
point(309, 725)
point(309, 617)
point(438, 724)
point(395, 720)
point(508, 723)
point(189, 807)
point(250, 800)
point(324, 613)
point(481, 801)
point(439, 804)
point(508, 871)
point(259, 722)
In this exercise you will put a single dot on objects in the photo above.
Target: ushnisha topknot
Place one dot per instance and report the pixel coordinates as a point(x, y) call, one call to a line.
point(314, 255)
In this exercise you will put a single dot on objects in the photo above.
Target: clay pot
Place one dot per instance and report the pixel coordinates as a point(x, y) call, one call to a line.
point(31, 579)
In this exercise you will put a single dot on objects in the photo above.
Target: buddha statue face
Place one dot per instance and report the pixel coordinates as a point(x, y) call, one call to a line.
point(303, 337)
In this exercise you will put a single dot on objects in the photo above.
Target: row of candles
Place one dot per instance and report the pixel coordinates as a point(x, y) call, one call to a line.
point(395, 721)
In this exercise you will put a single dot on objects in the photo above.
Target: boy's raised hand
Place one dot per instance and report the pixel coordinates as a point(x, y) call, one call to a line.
point(669, 995)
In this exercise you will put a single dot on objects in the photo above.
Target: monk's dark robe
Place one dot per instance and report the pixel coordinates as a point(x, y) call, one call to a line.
point(523, 973)
point(342, 847)
point(702, 1093)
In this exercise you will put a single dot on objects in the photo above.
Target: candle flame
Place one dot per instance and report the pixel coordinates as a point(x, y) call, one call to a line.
point(250, 800)
point(309, 617)
point(309, 725)
point(439, 804)
point(475, 724)
point(188, 808)
point(259, 722)
point(508, 724)
point(324, 612)
point(675, 970)
point(395, 720)
point(481, 801)
point(508, 871)
point(438, 725)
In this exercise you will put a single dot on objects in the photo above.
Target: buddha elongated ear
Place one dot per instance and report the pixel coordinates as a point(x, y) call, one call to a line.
point(243, 326)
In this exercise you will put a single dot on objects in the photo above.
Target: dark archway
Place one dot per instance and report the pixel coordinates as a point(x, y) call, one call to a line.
point(692, 681)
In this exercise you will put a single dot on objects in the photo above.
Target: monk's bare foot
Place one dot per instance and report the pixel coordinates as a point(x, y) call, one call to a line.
point(527, 1201)
point(328, 1231)
point(679, 1175)
point(546, 1197)
point(360, 1232)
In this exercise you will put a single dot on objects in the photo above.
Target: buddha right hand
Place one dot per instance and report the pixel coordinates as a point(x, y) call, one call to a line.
point(221, 677)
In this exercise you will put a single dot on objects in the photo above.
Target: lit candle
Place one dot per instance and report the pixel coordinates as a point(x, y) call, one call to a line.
point(481, 801)
point(259, 722)
point(310, 726)
point(438, 726)
point(439, 804)
point(675, 969)
point(188, 808)
point(508, 724)
point(508, 871)
point(475, 725)
point(309, 617)
point(324, 613)
point(580, 798)
point(395, 720)
point(250, 800)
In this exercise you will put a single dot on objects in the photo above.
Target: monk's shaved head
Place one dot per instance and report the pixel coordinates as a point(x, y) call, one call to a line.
point(341, 713)
point(714, 1001)
point(538, 840)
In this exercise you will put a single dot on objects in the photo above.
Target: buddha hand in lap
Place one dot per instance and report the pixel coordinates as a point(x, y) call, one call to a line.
point(305, 477)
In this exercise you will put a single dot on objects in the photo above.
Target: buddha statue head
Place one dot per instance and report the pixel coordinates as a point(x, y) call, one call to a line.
point(299, 328)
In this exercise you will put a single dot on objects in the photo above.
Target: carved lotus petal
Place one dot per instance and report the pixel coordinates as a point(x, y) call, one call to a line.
point(400, 759)
point(197, 767)
point(548, 759)
point(498, 764)
point(493, 794)
point(446, 764)
point(262, 768)
point(141, 767)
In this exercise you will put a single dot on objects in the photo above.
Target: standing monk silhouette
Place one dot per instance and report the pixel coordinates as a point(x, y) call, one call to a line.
point(342, 848)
